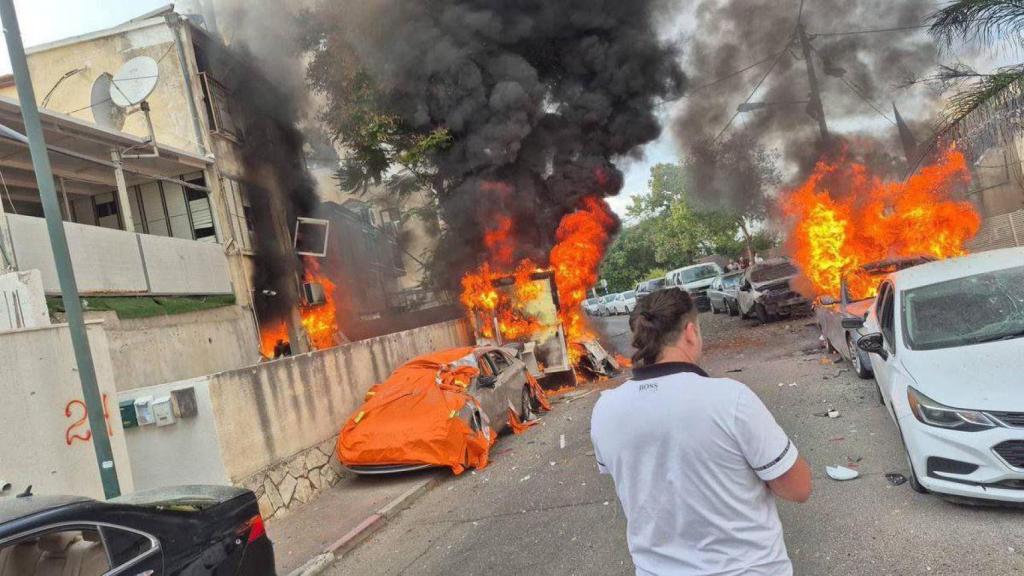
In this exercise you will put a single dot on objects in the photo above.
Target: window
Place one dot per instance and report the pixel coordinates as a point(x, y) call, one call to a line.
point(77, 551)
point(885, 318)
point(200, 212)
point(107, 213)
point(240, 213)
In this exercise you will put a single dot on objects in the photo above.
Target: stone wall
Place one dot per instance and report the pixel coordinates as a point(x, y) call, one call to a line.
point(295, 481)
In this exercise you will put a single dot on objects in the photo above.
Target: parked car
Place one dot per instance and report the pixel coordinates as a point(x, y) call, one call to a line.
point(765, 291)
point(623, 303)
point(946, 342)
point(179, 530)
point(722, 293)
point(604, 306)
point(446, 405)
point(590, 306)
point(831, 310)
point(648, 286)
point(695, 279)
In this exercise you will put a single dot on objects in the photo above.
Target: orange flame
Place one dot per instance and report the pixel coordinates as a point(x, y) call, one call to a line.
point(582, 237)
point(319, 321)
point(835, 232)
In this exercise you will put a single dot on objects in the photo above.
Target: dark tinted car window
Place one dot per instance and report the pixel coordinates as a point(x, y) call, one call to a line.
point(124, 545)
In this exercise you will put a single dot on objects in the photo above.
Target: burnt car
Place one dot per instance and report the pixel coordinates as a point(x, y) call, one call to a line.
point(765, 291)
point(440, 410)
point(179, 530)
point(722, 293)
point(841, 319)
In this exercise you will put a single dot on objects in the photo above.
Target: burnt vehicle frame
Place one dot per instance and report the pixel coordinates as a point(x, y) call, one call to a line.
point(770, 298)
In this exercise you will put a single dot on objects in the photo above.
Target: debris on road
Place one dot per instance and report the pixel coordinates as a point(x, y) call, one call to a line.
point(524, 478)
point(841, 473)
point(895, 478)
point(830, 413)
point(561, 441)
point(734, 371)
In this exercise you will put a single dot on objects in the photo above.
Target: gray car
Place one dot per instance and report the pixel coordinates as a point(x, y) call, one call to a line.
point(766, 293)
point(722, 293)
point(830, 312)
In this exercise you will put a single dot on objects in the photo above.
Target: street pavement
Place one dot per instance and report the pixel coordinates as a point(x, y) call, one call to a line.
point(541, 507)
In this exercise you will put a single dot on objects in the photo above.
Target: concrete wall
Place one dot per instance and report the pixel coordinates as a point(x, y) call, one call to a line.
point(272, 427)
point(46, 440)
point(162, 349)
point(187, 448)
point(114, 261)
point(22, 302)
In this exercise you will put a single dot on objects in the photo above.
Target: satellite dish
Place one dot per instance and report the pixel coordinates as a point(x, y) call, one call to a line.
point(134, 82)
point(106, 114)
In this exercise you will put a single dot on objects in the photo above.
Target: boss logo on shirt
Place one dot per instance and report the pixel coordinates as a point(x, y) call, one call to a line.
point(649, 387)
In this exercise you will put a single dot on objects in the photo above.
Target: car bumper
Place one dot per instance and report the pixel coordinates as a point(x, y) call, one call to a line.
point(992, 479)
point(787, 306)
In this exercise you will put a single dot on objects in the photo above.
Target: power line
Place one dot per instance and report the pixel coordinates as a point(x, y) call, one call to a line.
point(775, 62)
point(873, 31)
point(108, 99)
point(734, 74)
point(863, 97)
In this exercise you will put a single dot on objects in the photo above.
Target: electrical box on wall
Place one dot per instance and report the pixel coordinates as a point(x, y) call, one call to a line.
point(162, 411)
point(128, 417)
point(184, 402)
point(144, 410)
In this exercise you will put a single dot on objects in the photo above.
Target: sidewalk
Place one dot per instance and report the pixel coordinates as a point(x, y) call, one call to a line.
point(343, 515)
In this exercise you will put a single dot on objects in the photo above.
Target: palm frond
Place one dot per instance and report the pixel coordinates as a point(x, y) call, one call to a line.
point(985, 21)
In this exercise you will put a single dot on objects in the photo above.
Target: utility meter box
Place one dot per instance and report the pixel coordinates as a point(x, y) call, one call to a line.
point(163, 412)
point(128, 417)
point(144, 410)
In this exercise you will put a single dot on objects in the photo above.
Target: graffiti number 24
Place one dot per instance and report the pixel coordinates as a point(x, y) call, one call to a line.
point(79, 429)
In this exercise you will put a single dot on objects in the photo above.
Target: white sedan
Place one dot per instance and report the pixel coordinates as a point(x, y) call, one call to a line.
point(946, 342)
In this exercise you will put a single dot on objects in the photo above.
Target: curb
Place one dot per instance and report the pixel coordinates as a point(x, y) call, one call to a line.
point(344, 545)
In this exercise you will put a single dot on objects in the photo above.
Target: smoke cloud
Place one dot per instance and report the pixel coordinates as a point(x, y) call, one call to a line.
point(729, 35)
point(539, 97)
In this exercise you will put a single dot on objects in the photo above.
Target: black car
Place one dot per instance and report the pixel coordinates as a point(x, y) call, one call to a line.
point(214, 530)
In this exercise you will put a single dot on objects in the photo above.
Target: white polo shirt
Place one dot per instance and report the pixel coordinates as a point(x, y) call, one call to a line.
point(690, 456)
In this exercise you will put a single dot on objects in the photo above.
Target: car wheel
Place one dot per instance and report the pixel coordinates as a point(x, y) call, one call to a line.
point(762, 313)
point(733, 308)
point(526, 405)
point(912, 479)
point(863, 372)
point(714, 309)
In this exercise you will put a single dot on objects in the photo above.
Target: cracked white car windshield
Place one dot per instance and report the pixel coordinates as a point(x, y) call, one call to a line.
point(980, 308)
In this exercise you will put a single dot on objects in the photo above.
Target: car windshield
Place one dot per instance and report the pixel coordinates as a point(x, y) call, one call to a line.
point(772, 271)
point(608, 298)
point(688, 275)
point(630, 295)
point(652, 285)
point(980, 308)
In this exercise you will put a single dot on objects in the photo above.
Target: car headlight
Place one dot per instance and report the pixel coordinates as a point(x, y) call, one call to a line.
point(932, 413)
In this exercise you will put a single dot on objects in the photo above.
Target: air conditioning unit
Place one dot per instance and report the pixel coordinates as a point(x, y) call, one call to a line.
point(313, 293)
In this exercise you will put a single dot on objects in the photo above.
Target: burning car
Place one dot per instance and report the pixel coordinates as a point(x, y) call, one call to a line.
point(765, 291)
point(440, 410)
point(856, 295)
point(946, 341)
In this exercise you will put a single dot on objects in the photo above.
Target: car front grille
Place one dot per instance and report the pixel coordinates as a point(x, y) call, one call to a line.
point(1012, 451)
point(1011, 419)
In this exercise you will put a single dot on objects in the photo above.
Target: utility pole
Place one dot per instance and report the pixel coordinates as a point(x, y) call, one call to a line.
point(59, 245)
point(816, 108)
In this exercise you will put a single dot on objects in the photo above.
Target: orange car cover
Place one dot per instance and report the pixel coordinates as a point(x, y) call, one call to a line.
point(421, 414)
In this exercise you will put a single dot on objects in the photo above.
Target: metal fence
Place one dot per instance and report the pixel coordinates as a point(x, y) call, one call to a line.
point(1002, 231)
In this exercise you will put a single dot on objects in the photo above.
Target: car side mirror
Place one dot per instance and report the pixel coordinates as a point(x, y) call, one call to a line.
point(828, 301)
point(873, 344)
point(745, 287)
point(852, 323)
point(487, 381)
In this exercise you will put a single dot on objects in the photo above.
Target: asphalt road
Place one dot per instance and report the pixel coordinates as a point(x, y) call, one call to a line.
point(541, 508)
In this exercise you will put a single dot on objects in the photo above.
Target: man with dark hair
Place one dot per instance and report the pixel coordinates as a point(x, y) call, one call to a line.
point(697, 461)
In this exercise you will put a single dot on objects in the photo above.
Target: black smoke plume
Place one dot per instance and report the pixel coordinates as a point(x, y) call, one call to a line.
point(539, 97)
point(730, 35)
point(255, 55)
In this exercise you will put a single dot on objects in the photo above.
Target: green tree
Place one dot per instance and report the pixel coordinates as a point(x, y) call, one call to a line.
point(630, 256)
point(978, 96)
